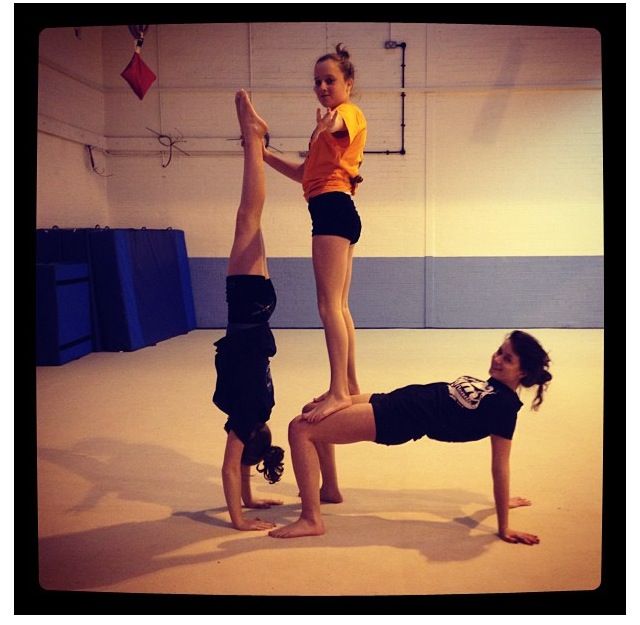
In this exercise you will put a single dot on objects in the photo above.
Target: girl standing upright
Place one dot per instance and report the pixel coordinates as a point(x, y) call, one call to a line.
point(329, 178)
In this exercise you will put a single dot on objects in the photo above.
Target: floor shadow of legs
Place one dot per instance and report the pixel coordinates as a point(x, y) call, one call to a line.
point(133, 471)
point(277, 514)
point(457, 537)
point(108, 555)
point(434, 540)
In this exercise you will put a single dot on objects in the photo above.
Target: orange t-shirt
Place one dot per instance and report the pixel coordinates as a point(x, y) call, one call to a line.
point(335, 158)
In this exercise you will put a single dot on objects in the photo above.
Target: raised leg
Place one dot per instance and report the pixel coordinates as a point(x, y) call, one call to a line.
point(248, 253)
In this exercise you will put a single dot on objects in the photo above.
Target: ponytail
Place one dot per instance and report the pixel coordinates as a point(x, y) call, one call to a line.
point(272, 466)
point(341, 57)
point(534, 362)
point(258, 449)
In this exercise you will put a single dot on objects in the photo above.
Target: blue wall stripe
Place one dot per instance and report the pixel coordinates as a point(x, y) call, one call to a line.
point(460, 292)
point(511, 292)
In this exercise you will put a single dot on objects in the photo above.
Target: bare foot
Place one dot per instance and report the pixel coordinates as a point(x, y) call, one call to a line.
point(312, 404)
point(321, 397)
point(516, 502)
point(354, 389)
point(328, 406)
point(329, 495)
point(251, 124)
point(302, 527)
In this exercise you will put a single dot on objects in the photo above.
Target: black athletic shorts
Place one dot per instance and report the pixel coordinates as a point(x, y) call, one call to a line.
point(250, 299)
point(244, 388)
point(404, 414)
point(335, 213)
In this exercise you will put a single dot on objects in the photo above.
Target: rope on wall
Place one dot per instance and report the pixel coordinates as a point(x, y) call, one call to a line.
point(93, 163)
point(170, 142)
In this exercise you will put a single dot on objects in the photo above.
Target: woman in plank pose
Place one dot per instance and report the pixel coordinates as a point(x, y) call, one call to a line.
point(467, 409)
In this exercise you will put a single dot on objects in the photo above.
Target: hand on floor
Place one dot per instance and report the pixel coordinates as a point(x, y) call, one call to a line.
point(263, 503)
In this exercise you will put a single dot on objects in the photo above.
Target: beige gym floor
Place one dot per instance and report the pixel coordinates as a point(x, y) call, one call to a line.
point(130, 496)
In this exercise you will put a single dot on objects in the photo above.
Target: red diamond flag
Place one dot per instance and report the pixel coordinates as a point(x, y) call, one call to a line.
point(138, 75)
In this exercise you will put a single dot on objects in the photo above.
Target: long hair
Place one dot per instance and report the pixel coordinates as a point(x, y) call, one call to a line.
point(534, 362)
point(258, 449)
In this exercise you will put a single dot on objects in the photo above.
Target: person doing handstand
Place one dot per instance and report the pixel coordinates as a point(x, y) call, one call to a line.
point(466, 409)
point(244, 388)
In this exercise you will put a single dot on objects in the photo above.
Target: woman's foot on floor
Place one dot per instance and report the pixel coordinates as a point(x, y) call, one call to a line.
point(330, 496)
point(302, 527)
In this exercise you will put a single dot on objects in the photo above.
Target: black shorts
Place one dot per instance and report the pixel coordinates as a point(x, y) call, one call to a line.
point(244, 388)
point(250, 299)
point(335, 213)
point(404, 414)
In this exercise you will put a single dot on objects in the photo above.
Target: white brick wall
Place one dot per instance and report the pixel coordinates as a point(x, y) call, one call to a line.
point(502, 134)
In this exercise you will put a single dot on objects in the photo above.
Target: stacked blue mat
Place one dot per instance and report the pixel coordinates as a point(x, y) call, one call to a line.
point(132, 288)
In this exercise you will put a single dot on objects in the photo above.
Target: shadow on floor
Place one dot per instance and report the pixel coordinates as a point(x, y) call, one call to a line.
point(149, 473)
point(135, 472)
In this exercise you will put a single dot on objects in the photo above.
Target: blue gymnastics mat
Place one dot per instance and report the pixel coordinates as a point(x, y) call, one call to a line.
point(140, 282)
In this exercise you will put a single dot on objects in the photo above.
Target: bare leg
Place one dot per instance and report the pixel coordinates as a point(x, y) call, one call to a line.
point(330, 491)
point(352, 378)
point(350, 425)
point(354, 386)
point(331, 260)
point(248, 253)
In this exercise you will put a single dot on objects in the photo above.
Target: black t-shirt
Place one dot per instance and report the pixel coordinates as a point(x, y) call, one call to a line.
point(471, 409)
point(466, 409)
point(244, 388)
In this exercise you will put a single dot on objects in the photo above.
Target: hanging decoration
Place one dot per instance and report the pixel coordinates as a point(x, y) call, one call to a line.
point(137, 73)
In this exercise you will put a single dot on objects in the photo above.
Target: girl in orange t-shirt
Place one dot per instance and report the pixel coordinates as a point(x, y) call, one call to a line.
point(329, 178)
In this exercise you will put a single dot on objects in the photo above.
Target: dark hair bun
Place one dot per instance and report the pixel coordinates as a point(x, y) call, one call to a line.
point(272, 466)
point(255, 446)
point(342, 52)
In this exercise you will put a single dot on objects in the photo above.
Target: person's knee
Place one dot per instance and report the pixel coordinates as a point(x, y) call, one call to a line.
point(328, 309)
point(298, 429)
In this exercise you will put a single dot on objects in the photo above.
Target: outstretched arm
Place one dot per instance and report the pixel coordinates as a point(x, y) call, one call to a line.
point(292, 170)
point(232, 483)
point(500, 452)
